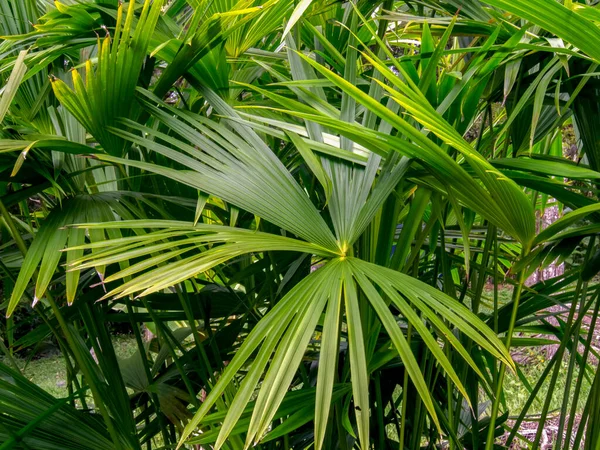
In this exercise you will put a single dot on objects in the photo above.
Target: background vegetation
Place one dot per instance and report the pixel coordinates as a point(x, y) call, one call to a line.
point(319, 224)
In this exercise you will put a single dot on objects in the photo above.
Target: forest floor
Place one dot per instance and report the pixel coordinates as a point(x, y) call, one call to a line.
point(48, 370)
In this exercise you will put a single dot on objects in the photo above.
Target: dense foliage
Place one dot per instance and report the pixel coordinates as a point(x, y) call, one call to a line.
point(304, 212)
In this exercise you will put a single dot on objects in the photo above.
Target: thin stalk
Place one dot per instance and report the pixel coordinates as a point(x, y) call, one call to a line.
point(393, 413)
point(584, 418)
point(171, 342)
point(187, 308)
point(514, 101)
point(542, 379)
point(570, 369)
point(489, 443)
point(591, 413)
point(482, 128)
point(496, 284)
point(581, 375)
point(86, 373)
point(473, 379)
point(8, 355)
point(338, 412)
point(379, 411)
point(68, 335)
point(13, 229)
point(450, 395)
point(421, 413)
point(140, 343)
point(568, 329)
point(404, 395)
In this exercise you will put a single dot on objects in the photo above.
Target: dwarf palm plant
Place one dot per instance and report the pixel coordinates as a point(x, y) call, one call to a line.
point(303, 202)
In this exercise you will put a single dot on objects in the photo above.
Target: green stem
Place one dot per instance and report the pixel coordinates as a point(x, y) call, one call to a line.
point(171, 342)
point(9, 356)
point(542, 380)
point(86, 373)
point(489, 443)
point(142, 349)
point(67, 332)
point(404, 394)
point(581, 375)
point(380, 423)
point(569, 328)
point(13, 229)
point(573, 356)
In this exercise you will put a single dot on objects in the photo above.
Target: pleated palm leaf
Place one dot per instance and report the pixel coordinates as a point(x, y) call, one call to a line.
point(238, 167)
point(288, 196)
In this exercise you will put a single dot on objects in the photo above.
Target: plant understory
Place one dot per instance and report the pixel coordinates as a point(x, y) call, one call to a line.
point(321, 224)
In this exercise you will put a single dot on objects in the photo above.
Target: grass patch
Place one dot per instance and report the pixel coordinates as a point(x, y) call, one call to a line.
point(517, 393)
point(49, 372)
